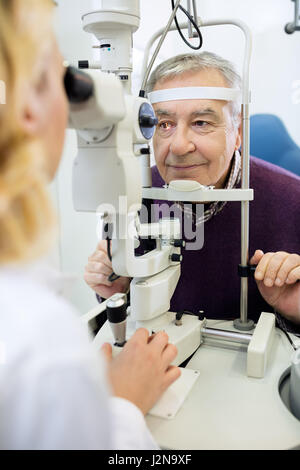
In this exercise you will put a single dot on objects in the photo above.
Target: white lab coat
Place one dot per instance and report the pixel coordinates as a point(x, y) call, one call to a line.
point(53, 390)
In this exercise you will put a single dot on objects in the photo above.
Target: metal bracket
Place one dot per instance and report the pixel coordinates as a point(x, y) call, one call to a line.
point(295, 25)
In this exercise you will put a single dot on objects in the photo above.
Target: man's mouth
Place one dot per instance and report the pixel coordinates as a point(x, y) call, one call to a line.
point(187, 167)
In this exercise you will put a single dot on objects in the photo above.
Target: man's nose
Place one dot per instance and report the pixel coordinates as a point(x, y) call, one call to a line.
point(182, 142)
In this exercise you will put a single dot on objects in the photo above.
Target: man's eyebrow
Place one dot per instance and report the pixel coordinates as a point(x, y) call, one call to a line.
point(205, 112)
point(164, 112)
point(198, 113)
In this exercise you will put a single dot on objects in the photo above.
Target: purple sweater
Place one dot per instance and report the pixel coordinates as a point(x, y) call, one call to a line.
point(209, 279)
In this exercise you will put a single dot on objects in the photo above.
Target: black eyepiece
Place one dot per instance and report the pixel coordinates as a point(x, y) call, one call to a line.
point(78, 85)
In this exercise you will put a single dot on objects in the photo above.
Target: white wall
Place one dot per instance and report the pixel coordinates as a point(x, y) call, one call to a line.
point(275, 70)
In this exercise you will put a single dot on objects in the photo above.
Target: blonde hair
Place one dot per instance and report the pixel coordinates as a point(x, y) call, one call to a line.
point(27, 221)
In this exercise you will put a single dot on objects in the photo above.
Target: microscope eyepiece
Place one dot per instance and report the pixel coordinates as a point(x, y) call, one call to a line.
point(78, 85)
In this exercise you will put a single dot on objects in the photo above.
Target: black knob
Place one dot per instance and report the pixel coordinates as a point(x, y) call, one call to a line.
point(176, 257)
point(116, 308)
point(83, 64)
point(179, 315)
point(148, 121)
point(179, 243)
point(246, 271)
point(289, 28)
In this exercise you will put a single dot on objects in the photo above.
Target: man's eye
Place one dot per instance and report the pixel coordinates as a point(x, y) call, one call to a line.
point(165, 125)
point(200, 123)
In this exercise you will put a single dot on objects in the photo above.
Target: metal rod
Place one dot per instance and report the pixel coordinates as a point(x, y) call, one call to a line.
point(190, 26)
point(191, 32)
point(244, 213)
point(297, 13)
point(166, 30)
point(226, 335)
point(195, 15)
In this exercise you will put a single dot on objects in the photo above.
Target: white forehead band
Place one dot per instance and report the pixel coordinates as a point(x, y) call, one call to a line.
point(194, 93)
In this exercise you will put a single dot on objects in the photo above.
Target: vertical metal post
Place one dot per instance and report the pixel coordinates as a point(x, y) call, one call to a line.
point(297, 13)
point(195, 15)
point(191, 33)
point(190, 26)
point(243, 323)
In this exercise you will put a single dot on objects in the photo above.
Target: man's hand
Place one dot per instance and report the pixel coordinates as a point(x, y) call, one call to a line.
point(97, 271)
point(276, 276)
point(142, 372)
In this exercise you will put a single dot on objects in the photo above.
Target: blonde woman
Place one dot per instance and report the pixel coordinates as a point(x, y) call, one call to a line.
point(53, 389)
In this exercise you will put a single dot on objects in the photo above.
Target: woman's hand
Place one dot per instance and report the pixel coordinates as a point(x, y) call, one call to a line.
point(142, 372)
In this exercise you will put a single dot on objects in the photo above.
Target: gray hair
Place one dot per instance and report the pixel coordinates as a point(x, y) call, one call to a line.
point(194, 62)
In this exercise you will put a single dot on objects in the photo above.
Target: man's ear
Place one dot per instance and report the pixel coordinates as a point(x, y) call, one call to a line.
point(31, 112)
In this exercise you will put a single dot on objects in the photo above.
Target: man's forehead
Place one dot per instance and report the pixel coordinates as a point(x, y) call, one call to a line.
point(204, 77)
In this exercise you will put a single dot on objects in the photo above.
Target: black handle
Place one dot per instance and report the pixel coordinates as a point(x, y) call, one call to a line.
point(246, 271)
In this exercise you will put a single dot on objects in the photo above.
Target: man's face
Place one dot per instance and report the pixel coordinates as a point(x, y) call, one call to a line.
point(194, 139)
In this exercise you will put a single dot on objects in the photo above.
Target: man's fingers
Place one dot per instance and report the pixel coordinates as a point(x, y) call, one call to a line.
point(289, 264)
point(256, 257)
point(294, 276)
point(273, 267)
point(100, 257)
point(94, 279)
point(94, 267)
point(101, 245)
point(262, 266)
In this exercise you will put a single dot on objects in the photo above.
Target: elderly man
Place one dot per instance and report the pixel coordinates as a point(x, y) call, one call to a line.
point(198, 139)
